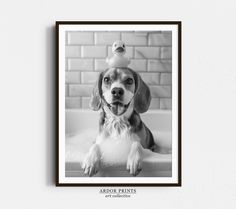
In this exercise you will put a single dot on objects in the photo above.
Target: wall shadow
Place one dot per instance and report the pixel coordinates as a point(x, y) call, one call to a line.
point(50, 93)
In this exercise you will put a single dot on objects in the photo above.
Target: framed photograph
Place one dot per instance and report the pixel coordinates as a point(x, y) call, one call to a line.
point(118, 109)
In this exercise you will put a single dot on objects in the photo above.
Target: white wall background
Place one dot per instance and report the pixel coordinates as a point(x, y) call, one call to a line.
point(150, 53)
point(26, 118)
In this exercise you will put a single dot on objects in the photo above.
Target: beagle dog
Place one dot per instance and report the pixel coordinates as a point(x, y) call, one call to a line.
point(121, 95)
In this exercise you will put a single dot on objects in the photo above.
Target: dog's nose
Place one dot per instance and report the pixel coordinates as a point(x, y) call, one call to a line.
point(117, 92)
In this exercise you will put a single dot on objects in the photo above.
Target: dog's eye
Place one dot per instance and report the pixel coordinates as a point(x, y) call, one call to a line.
point(115, 45)
point(123, 46)
point(129, 81)
point(106, 79)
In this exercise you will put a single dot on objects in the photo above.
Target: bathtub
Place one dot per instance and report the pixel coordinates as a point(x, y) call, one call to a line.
point(81, 127)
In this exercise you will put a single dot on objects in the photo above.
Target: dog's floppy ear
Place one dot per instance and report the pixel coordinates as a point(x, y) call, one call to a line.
point(96, 101)
point(142, 96)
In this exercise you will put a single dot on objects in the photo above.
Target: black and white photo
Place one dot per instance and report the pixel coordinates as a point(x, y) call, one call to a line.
point(119, 103)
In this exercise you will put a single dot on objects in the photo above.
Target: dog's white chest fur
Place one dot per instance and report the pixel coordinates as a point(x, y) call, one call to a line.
point(115, 140)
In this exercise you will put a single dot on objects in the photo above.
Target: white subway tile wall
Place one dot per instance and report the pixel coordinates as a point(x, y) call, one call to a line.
point(150, 53)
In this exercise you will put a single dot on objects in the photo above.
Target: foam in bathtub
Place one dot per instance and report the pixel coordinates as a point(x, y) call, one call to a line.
point(114, 151)
point(78, 144)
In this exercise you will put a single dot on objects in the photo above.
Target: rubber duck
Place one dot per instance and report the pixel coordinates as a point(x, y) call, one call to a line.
point(118, 59)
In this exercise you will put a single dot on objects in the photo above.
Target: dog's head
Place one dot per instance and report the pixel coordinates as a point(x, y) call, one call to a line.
point(117, 88)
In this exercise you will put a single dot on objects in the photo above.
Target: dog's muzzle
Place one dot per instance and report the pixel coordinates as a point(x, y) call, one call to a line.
point(117, 93)
point(116, 106)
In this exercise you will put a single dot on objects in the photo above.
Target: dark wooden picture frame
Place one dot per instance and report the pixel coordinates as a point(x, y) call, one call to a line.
point(179, 106)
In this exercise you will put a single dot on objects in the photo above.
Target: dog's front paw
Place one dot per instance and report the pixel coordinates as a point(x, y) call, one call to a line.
point(134, 164)
point(91, 164)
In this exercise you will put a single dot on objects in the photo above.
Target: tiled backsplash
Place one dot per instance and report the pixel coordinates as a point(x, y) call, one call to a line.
point(150, 54)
